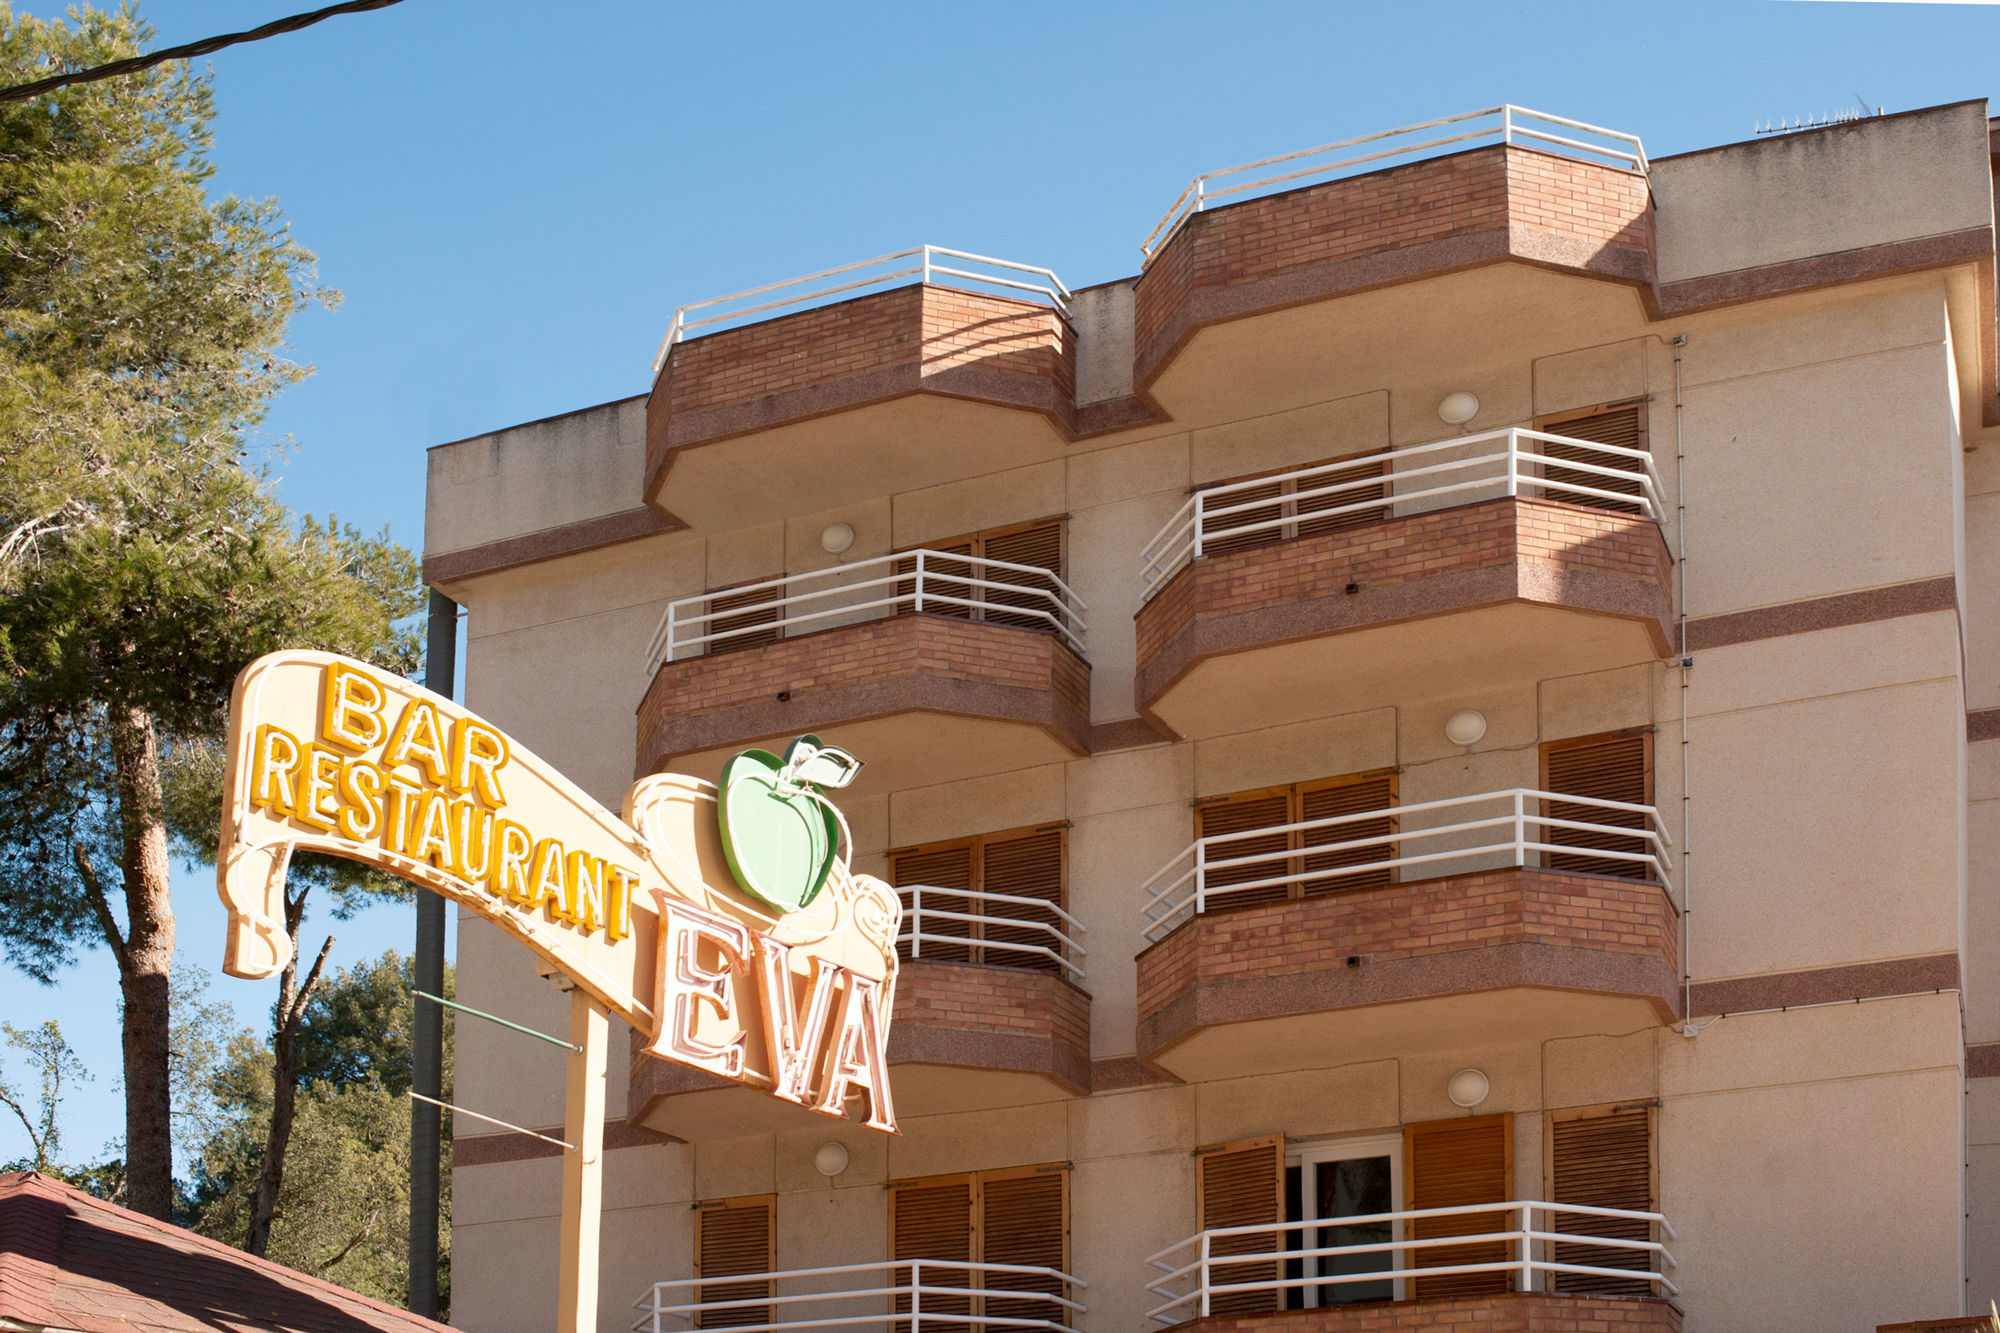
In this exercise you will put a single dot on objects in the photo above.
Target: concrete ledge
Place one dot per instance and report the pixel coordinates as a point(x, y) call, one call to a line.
point(1505, 1312)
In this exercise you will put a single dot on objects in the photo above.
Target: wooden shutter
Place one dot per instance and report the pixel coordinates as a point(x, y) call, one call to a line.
point(933, 1220)
point(1024, 1219)
point(946, 866)
point(1308, 526)
point(1624, 427)
point(1348, 796)
point(1025, 867)
point(759, 607)
point(1617, 767)
point(1242, 1184)
point(732, 1237)
point(943, 578)
point(1602, 1158)
point(1039, 546)
point(1225, 534)
point(1450, 1163)
point(1238, 814)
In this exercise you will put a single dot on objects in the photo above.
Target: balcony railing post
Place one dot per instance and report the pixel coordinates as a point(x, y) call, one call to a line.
point(916, 1295)
point(1507, 124)
point(916, 923)
point(1199, 519)
point(1527, 1247)
point(1513, 463)
point(1520, 828)
point(920, 583)
point(1200, 877)
point(673, 649)
point(1203, 1271)
point(1199, 183)
point(927, 266)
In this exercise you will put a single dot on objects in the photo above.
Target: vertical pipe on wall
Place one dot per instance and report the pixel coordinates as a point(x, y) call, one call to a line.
point(427, 1037)
point(1684, 663)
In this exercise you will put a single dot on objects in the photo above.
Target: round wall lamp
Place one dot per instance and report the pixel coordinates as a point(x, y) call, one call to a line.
point(1465, 727)
point(1455, 409)
point(1467, 1088)
point(831, 1159)
point(836, 539)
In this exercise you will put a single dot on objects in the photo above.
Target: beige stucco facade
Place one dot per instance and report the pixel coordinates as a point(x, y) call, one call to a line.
point(1812, 356)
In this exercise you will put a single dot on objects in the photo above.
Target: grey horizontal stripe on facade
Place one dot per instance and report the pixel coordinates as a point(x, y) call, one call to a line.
point(488, 1149)
point(1983, 724)
point(1825, 985)
point(548, 544)
point(1983, 1060)
point(1816, 613)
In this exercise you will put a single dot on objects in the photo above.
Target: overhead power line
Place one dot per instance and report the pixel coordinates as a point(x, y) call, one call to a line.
point(21, 92)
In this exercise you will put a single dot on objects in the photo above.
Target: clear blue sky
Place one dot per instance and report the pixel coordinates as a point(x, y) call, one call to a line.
point(514, 196)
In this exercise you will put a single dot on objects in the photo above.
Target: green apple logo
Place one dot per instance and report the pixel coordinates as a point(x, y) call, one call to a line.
point(778, 832)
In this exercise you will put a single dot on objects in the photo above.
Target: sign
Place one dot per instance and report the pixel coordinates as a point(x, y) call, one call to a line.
point(725, 925)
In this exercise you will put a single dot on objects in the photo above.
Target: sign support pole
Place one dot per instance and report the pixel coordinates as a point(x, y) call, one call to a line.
point(583, 1168)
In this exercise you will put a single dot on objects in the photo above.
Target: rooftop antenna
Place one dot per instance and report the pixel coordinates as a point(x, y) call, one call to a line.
point(1818, 120)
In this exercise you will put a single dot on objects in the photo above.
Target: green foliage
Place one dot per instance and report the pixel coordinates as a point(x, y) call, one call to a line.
point(144, 557)
point(344, 1211)
point(52, 1065)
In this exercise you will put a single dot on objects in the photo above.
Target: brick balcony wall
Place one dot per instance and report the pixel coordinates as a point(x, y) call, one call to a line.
point(984, 1016)
point(1510, 1312)
point(869, 349)
point(1424, 564)
point(837, 667)
point(1423, 218)
point(1587, 932)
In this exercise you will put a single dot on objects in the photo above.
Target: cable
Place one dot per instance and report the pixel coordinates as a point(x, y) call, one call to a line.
point(21, 92)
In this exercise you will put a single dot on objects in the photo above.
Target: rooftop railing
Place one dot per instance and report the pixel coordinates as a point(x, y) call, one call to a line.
point(1521, 1239)
point(1467, 469)
point(964, 926)
point(937, 582)
point(1511, 125)
point(903, 1297)
point(1517, 827)
point(924, 263)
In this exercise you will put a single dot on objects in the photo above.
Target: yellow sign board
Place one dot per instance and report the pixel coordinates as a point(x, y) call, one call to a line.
point(644, 912)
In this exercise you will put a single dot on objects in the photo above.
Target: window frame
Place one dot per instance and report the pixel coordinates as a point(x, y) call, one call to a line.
point(976, 542)
point(1308, 1155)
point(703, 1208)
point(1295, 794)
point(1288, 506)
point(977, 843)
point(1646, 732)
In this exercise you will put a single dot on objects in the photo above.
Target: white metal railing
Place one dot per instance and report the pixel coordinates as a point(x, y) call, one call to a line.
point(1190, 1279)
point(1514, 126)
point(955, 934)
point(910, 581)
point(1469, 468)
point(905, 1296)
point(926, 263)
point(1491, 829)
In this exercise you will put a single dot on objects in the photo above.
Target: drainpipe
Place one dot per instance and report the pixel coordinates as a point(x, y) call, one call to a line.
point(1684, 664)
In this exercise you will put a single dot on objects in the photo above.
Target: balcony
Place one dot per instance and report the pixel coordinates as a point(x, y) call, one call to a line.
point(1541, 1263)
point(990, 1012)
point(931, 666)
point(833, 388)
point(1271, 946)
point(1505, 557)
point(903, 1297)
point(1290, 233)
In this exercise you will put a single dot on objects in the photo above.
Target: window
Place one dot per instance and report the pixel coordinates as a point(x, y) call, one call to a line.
point(1015, 1216)
point(948, 591)
point(1602, 1157)
point(1614, 766)
point(960, 928)
point(1241, 1184)
point(1286, 517)
point(1452, 1163)
point(1281, 865)
point(1325, 1183)
point(754, 609)
point(734, 1237)
point(1620, 424)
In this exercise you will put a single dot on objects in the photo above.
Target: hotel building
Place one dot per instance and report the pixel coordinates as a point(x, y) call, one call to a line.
point(1440, 745)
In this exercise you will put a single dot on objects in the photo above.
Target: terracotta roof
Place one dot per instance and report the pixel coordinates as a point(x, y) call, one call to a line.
point(71, 1261)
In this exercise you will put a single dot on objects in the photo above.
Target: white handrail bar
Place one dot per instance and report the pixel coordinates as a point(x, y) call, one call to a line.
point(1520, 1255)
point(1520, 468)
point(1624, 152)
point(659, 1301)
point(1180, 888)
point(1051, 289)
point(1067, 954)
point(916, 583)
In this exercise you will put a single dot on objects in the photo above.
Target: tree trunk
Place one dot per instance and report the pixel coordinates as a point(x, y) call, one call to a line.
point(144, 965)
point(290, 1012)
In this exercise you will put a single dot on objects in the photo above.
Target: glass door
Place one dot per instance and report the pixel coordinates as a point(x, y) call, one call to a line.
point(1329, 1183)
